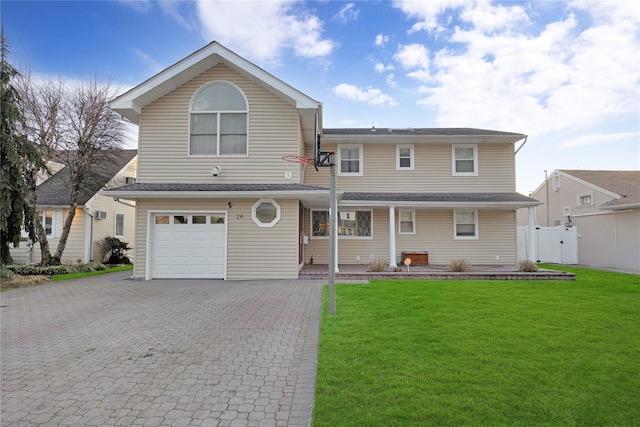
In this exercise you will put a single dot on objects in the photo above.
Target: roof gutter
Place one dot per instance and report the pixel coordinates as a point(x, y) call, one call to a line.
point(521, 145)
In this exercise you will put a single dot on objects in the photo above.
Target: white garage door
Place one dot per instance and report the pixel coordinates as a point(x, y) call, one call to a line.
point(188, 245)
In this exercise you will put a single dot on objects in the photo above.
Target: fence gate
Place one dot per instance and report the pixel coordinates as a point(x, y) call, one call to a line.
point(557, 245)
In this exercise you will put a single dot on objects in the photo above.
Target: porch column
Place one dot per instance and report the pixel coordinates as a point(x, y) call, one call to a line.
point(531, 237)
point(392, 236)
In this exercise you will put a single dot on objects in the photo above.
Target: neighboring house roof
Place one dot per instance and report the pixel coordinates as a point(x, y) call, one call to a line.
point(55, 191)
point(419, 135)
point(626, 184)
point(441, 199)
point(131, 103)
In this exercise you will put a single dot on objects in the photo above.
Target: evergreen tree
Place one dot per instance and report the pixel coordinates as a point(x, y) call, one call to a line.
point(14, 151)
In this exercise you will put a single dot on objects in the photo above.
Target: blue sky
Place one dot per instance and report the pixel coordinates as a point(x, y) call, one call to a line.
point(565, 73)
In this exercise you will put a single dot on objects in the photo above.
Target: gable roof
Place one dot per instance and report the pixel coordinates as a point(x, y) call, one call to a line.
point(55, 190)
point(626, 184)
point(131, 103)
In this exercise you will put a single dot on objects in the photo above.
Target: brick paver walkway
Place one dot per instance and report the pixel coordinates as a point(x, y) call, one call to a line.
point(110, 351)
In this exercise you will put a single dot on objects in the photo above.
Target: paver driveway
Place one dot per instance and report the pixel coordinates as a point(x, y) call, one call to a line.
point(110, 351)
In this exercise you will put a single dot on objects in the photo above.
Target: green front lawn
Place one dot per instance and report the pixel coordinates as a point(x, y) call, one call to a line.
point(416, 353)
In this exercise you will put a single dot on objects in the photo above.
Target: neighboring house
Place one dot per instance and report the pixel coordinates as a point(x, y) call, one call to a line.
point(97, 216)
point(605, 208)
point(215, 199)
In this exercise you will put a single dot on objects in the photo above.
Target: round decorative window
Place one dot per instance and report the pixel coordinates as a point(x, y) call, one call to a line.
point(266, 213)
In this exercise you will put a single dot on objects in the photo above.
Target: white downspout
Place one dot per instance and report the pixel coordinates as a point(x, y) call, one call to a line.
point(88, 232)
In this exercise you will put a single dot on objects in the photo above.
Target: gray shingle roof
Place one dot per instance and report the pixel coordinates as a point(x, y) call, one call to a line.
point(623, 183)
point(56, 190)
point(440, 197)
point(186, 187)
point(418, 131)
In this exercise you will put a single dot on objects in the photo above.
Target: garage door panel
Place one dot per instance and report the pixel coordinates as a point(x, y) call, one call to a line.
point(188, 250)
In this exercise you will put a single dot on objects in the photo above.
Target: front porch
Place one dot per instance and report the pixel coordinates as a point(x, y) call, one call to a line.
point(431, 272)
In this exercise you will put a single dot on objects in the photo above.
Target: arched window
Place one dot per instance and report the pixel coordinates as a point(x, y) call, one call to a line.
point(218, 121)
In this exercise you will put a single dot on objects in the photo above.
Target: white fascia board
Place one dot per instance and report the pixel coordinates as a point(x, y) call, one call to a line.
point(620, 207)
point(438, 205)
point(377, 137)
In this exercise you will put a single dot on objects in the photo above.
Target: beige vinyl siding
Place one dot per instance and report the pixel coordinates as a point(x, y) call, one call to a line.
point(252, 252)
point(274, 130)
point(106, 227)
point(434, 234)
point(432, 172)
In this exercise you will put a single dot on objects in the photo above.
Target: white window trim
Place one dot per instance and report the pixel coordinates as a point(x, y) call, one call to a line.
point(263, 224)
point(115, 224)
point(360, 151)
point(195, 95)
point(413, 221)
point(475, 160)
point(337, 221)
point(411, 157)
point(476, 236)
point(556, 182)
point(580, 196)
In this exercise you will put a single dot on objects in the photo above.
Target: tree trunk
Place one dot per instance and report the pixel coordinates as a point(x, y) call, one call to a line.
point(62, 243)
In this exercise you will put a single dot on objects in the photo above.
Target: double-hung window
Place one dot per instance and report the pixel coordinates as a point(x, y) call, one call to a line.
point(465, 224)
point(406, 219)
point(119, 225)
point(47, 222)
point(218, 121)
point(585, 200)
point(350, 160)
point(350, 223)
point(465, 160)
point(404, 157)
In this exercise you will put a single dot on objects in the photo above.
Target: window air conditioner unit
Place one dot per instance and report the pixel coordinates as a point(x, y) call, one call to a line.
point(101, 215)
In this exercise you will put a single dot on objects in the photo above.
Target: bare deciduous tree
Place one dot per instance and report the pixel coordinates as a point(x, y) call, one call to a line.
point(72, 124)
point(41, 102)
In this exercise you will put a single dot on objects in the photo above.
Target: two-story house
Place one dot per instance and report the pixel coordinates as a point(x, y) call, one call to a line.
point(604, 206)
point(216, 200)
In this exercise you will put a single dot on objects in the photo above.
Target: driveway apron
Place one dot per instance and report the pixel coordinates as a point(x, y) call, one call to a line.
point(110, 351)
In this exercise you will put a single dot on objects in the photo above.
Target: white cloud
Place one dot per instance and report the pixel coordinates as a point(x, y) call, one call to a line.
point(153, 66)
point(347, 13)
point(263, 30)
point(369, 95)
point(414, 56)
point(567, 77)
point(391, 82)
point(598, 138)
point(381, 68)
point(381, 40)
point(427, 11)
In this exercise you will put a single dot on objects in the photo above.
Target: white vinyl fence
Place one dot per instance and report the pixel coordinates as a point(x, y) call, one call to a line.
point(557, 245)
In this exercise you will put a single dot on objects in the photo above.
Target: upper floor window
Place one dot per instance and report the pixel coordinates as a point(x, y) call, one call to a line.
point(404, 157)
point(218, 121)
point(47, 222)
point(465, 160)
point(585, 199)
point(556, 182)
point(350, 160)
point(465, 224)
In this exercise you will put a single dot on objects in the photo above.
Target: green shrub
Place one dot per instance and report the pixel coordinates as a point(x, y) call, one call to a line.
point(53, 270)
point(5, 272)
point(116, 249)
point(459, 265)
